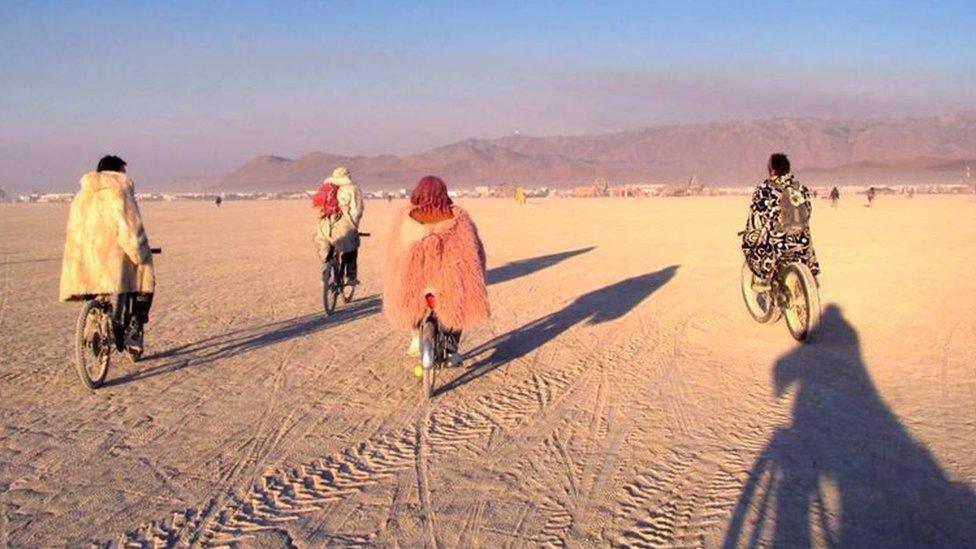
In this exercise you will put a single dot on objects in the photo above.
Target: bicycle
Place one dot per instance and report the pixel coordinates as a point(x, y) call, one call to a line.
point(98, 332)
point(792, 292)
point(436, 345)
point(333, 285)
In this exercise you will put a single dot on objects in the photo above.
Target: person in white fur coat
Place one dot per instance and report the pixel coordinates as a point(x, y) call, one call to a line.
point(106, 251)
point(339, 233)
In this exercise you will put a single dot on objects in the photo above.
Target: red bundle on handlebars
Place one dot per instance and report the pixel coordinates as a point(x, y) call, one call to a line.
point(431, 301)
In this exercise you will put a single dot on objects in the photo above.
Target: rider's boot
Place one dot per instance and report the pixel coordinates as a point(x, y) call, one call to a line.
point(134, 338)
point(414, 349)
point(760, 286)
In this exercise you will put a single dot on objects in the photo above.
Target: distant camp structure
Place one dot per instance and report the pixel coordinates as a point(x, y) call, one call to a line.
point(692, 187)
point(505, 190)
point(598, 187)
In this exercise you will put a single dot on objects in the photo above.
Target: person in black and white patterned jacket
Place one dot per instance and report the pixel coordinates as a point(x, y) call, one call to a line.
point(764, 243)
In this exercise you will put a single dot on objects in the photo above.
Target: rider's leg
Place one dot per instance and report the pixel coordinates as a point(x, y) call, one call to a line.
point(350, 265)
point(120, 304)
point(761, 272)
point(453, 348)
point(453, 340)
point(139, 306)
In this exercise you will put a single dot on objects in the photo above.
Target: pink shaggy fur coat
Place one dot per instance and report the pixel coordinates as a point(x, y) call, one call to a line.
point(445, 258)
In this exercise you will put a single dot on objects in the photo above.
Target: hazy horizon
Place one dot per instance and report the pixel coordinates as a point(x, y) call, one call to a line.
point(184, 90)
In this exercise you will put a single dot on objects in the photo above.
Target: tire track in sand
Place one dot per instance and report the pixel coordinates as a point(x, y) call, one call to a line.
point(689, 492)
point(574, 455)
point(285, 494)
point(188, 526)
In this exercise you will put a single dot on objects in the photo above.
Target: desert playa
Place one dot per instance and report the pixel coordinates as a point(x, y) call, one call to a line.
point(620, 395)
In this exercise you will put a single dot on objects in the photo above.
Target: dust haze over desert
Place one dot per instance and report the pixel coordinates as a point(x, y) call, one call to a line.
point(620, 393)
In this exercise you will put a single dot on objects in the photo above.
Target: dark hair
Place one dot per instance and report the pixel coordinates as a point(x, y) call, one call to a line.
point(431, 194)
point(779, 164)
point(111, 163)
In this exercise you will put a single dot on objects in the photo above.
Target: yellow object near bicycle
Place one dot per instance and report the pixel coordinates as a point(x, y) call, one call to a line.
point(418, 370)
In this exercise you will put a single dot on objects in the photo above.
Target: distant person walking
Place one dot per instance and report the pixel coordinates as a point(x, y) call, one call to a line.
point(434, 248)
point(870, 194)
point(339, 205)
point(834, 196)
point(778, 202)
point(106, 250)
point(519, 196)
point(218, 201)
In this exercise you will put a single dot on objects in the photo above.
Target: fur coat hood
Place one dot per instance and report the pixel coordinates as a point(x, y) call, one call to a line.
point(106, 250)
point(445, 258)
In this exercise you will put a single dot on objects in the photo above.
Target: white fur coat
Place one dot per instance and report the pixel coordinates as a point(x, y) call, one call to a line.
point(105, 250)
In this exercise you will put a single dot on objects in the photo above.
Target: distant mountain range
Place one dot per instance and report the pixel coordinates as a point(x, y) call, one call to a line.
point(835, 150)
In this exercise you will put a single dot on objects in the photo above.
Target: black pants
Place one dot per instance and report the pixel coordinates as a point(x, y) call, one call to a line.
point(453, 341)
point(138, 306)
point(451, 337)
point(348, 263)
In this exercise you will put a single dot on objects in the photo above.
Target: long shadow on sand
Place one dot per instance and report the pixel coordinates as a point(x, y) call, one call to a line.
point(241, 341)
point(602, 305)
point(523, 267)
point(247, 339)
point(846, 451)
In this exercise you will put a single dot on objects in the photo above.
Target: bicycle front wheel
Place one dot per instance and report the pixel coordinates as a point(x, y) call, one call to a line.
point(803, 309)
point(760, 303)
point(93, 344)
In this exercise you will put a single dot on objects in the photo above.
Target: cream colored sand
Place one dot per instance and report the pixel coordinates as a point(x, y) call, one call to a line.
point(620, 394)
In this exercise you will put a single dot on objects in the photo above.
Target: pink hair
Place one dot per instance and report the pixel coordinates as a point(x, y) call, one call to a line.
point(431, 194)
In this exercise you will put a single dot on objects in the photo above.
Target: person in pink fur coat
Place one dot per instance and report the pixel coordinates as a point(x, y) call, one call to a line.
point(434, 248)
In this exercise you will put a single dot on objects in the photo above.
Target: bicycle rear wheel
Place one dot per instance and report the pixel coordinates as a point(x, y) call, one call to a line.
point(803, 312)
point(760, 304)
point(330, 290)
point(93, 344)
point(429, 354)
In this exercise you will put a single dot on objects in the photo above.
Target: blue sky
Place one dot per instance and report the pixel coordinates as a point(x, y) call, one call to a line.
point(193, 88)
